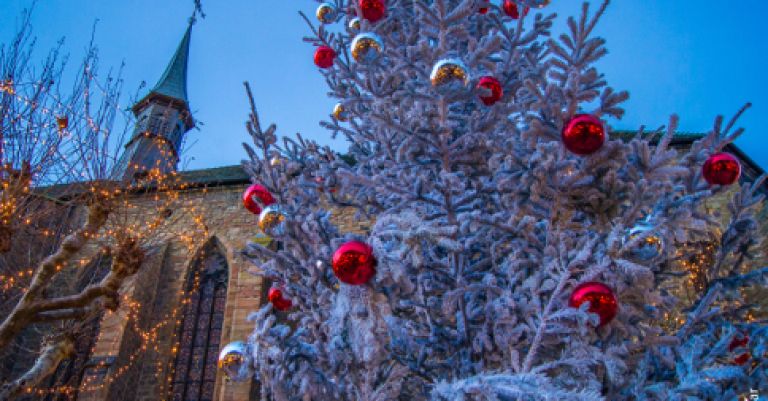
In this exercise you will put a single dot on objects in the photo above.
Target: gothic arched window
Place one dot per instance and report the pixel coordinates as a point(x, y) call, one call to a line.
point(194, 375)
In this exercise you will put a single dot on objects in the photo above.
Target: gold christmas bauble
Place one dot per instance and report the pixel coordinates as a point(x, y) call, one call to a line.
point(339, 113)
point(449, 74)
point(367, 47)
point(326, 13)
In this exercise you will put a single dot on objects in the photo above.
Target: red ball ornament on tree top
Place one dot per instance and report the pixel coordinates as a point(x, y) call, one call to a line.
point(324, 56)
point(512, 10)
point(494, 86)
point(721, 169)
point(584, 134)
point(278, 301)
point(738, 342)
point(742, 359)
point(601, 300)
point(353, 263)
point(62, 122)
point(373, 10)
point(256, 197)
point(483, 7)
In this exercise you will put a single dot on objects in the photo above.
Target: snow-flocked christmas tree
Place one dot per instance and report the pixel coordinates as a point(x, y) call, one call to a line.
point(516, 250)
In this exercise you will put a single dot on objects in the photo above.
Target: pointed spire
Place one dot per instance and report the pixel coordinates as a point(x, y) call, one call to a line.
point(173, 82)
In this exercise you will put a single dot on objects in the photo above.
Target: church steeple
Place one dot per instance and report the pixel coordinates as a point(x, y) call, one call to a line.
point(173, 83)
point(162, 118)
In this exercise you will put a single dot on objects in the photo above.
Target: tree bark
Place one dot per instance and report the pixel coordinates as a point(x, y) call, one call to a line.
point(52, 354)
point(23, 313)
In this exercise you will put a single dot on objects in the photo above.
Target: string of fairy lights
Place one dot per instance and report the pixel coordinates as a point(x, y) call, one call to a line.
point(60, 116)
point(134, 226)
point(149, 339)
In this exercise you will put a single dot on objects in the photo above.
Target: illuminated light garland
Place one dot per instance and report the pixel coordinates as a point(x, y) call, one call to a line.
point(131, 221)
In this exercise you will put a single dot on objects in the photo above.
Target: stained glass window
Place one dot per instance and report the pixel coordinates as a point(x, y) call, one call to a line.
point(194, 376)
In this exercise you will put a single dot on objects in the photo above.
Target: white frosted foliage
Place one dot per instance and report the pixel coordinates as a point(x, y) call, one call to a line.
point(482, 224)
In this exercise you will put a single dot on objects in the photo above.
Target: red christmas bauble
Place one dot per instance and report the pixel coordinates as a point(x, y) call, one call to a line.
point(353, 263)
point(721, 169)
point(493, 85)
point(324, 56)
point(738, 342)
point(62, 122)
point(512, 10)
point(256, 197)
point(584, 134)
point(601, 300)
point(373, 10)
point(483, 10)
point(742, 359)
point(278, 301)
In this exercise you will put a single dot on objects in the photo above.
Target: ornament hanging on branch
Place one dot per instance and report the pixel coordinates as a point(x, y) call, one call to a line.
point(62, 122)
point(272, 221)
point(366, 47)
point(650, 247)
point(278, 299)
point(584, 134)
point(257, 197)
point(275, 161)
point(740, 341)
point(512, 10)
point(340, 113)
point(491, 91)
point(233, 361)
point(354, 25)
point(373, 10)
point(353, 263)
point(601, 300)
point(449, 75)
point(483, 7)
point(326, 13)
point(721, 169)
point(324, 56)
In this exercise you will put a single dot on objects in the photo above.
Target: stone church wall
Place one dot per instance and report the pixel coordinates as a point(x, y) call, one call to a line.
point(144, 374)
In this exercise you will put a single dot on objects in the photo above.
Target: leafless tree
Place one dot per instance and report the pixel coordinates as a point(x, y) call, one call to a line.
point(60, 138)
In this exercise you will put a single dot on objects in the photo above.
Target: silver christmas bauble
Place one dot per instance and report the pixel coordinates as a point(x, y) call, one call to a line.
point(326, 13)
point(272, 220)
point(650, 247)
point(354, 24)
point(366, 47)
point(233, 361)
point(449, 75)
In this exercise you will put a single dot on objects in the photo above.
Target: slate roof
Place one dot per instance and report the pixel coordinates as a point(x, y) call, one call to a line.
point(217, 176)
point(236, 175)
point(173, 82)
point(172, 86)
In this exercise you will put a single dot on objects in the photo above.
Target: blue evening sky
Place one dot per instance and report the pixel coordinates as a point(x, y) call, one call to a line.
point(697, 58)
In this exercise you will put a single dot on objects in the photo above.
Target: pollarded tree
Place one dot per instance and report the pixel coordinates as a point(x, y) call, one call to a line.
point(65, 207)
point(517, 251)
